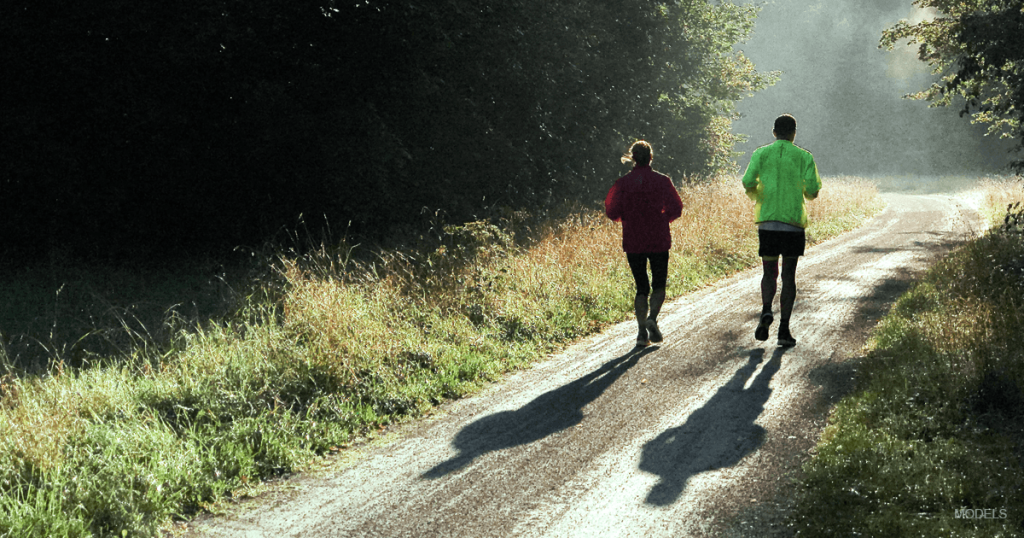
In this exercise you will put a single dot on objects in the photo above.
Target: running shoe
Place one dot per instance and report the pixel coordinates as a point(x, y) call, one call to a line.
point(642, 339)
point(652, 330)
point(761, 333)
point(786, 339)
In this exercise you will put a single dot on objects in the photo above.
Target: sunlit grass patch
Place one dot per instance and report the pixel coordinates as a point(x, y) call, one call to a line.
point(998, 194)
point(844, 203)
point(934, 428)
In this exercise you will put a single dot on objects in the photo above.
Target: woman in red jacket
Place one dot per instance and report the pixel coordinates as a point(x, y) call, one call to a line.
point(645, 202)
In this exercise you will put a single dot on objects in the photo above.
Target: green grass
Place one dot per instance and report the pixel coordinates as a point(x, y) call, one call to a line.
point(935, 425)
point(335, 347)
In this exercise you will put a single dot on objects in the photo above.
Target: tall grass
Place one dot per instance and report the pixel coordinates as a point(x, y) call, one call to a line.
point(337, 346)
point(934, 427)
point(1002, 202)
point(77, 312)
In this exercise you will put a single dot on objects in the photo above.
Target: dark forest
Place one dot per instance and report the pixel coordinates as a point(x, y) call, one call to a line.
point(147, 129)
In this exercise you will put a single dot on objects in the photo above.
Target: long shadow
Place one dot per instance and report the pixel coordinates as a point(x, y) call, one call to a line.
point(549, 413)
point(719, 434)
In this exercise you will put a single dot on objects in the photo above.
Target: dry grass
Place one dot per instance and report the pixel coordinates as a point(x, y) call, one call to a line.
point(998, 193)
point(844, 202)
point(341, 346)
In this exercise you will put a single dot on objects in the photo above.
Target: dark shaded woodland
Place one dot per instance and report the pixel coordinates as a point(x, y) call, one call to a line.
point(149, 128)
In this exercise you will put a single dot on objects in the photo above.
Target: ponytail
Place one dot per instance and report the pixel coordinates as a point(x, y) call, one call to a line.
point(640, 153)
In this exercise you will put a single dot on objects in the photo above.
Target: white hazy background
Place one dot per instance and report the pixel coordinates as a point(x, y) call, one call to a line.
point(847, 94)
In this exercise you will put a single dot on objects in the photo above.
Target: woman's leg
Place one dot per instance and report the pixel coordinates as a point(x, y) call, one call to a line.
point(659, 277)
point(638, 266)
point(640, 309)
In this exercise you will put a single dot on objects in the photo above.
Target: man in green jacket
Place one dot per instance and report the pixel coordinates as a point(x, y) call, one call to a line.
point(778, 179)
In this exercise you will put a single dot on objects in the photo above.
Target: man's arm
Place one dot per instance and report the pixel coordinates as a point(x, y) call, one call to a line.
point(812, 181)
point(752, 176)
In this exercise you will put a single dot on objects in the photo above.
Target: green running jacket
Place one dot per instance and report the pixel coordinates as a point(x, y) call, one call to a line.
point(778, 178)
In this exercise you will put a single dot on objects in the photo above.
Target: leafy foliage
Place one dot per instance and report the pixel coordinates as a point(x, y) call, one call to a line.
point(978, 48)
point(934, 427)
point(153, 126)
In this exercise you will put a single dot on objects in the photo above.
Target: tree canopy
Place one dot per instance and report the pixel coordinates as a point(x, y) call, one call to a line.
point(977, 46)
point(152, 126)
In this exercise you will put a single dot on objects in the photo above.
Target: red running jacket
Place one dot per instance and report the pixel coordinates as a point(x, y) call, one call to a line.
point(645, 202)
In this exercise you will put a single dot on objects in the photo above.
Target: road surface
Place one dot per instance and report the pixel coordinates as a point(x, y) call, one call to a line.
point(697, 436)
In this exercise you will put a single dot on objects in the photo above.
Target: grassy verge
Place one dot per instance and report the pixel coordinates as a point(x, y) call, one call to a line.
point(61, 310)
point(337, 347)
point(935, 425)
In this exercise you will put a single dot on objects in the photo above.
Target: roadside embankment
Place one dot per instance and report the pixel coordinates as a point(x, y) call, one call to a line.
point(931, 443)
point(335, 350)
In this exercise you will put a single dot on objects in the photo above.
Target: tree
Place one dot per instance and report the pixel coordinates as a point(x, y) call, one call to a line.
point(977, 48)
point(144, 125)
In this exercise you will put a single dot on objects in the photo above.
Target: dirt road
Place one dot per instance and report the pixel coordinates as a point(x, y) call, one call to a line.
point(694, 437)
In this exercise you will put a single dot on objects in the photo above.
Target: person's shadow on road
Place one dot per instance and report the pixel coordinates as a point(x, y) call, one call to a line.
point(718, 435)
point(549, 413)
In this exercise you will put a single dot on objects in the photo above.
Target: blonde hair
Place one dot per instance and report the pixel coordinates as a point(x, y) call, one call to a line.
point(640, 153)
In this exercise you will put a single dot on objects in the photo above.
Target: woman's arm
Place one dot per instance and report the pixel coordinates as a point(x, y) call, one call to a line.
point(613, 203)
point(673, 204)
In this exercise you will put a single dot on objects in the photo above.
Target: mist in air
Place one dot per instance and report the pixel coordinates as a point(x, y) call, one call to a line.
point(847, 94)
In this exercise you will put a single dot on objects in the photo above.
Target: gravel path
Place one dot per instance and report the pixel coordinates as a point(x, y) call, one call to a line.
point(696, 437)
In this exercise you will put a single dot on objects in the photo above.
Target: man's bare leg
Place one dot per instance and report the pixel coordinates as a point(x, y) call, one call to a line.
point(769, 283)
point(786, 299)
point(768, 288)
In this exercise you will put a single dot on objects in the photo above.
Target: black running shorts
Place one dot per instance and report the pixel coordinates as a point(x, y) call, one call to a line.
point(785, 244)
